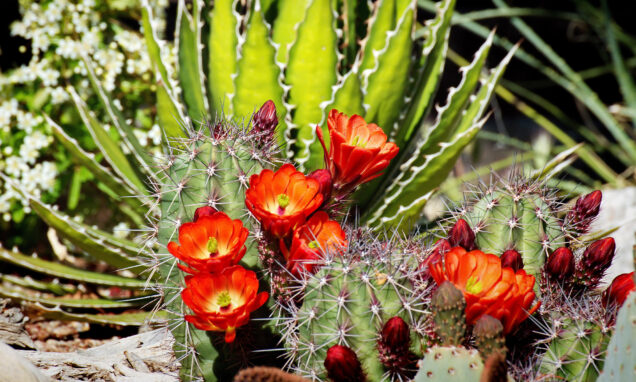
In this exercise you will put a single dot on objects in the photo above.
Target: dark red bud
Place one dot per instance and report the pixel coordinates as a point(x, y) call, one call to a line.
point(396, 334)
point(343, 365)
point(203, 211)
point(265, 121)
point(599, 255)
point(324, 179)
point(512, 259)
point(617, 292)
point(560, 264)
point(461, 235)
point(584, 211)
point(590, 204)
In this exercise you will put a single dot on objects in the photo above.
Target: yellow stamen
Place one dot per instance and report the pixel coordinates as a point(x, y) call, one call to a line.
point(313, 245)
point(358, 142)
point(223, 300)
point(283, 200)
point(213, 245)
point(474, 286)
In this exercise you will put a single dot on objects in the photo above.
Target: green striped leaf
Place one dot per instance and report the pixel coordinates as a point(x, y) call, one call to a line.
point(290, 14)
point(257, 79)
point(109, 148)
point(55, 269)
point(381, 23)
point(222, 63)
point(311, 72)
point(386, 84)
point(347, 97)
point(190, 68)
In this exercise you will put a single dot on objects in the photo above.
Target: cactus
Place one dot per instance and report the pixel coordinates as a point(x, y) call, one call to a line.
point(448, 307)
point(442, 363)
point(348, 302)
point(620, 363)
point(266, 374)
point(211, 168)
point(489, 338)
point(314, 55)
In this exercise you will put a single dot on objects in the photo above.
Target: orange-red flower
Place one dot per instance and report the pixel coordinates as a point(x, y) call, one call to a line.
point(318, 234)
point(488, 287)
point(282, 200)
point(358, 151)
point(210, 244)
point(222, 301)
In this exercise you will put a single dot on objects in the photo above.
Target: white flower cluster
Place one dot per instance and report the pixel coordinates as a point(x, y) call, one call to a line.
point(61, 32)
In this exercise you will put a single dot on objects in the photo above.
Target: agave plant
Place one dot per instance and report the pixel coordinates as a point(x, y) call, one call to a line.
point(313, 56)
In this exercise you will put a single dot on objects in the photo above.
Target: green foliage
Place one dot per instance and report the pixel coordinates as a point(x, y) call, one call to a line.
point(450, 363)
point(619, 362)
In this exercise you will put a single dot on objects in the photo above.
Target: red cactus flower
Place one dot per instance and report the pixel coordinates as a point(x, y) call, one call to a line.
point(210, 244)
point(203, 211)
point(488, 287)
point(324, 179)
point(223, 301)
point(599, 254)
point(282, 200)
point(441, 247)
point(316, 235)
point(343, 365)
point(560, 264)
point(265, 121)
point(585, 211)
point(617, 292)
point(358, 151)
point(461, 235)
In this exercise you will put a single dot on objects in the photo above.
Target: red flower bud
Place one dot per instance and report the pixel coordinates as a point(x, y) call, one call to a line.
point(512, 259)
point(264, 121)
point(599, 255)
point(441, 247)
point(560, 264)
point(203, 211)
point(343, 365)
point(585, 210)
point(324, 178)
point(617, 292)
point(395, 334)
point(461, 235)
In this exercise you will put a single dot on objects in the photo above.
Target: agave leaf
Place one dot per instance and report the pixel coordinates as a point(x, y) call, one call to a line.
point(55, 269)
point(122, 319)
point(222, 63)
point(190, 61)
point(285, 30)
point(556, 164)
point(386, 83)
point(85, 303)
point(406, 196)
point(257, 79)
point(347, 96)
point(109, 147)
point(381, 23)
point(311, 74)
point(427, 74)
point(28, 282)
point(169, 111)
point(77, 235)
point(101, 173)
point(125, 131)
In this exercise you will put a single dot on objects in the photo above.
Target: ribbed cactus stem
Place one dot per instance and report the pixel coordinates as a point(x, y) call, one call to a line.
point(489, 338)
point(448, 305)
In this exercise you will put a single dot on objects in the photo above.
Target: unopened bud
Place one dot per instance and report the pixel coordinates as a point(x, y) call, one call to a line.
point(617, 292)
point(343, 365)
point(265, 121)
point(324, 179)
point(584, 211)
point(560, 264)
point(461, 235)
point(512, 259)
point(599, 254)
point(489, 338)
point(448, 305)
point(396, 334)
point(203, 211)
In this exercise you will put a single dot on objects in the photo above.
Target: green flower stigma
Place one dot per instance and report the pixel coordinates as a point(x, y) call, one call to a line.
point(213, 245)
point(356, 142)
point(473, 286)
point(223, 300)
point(283, 200)
point(313, 245)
